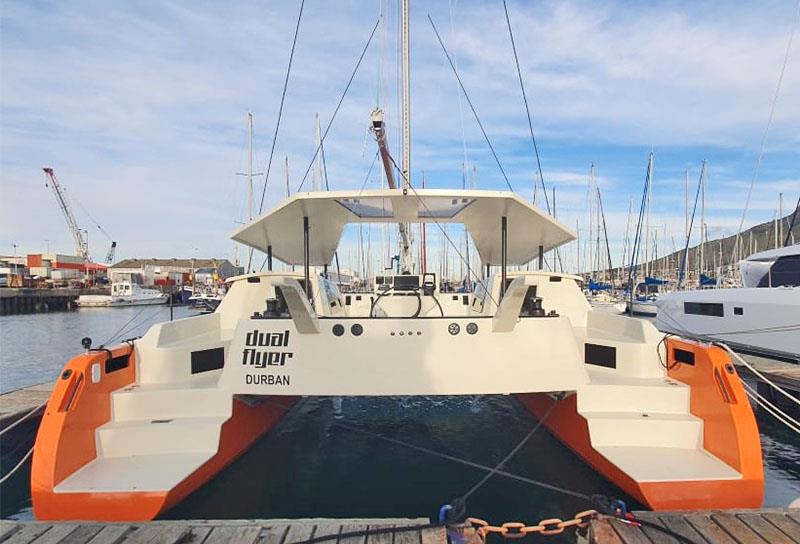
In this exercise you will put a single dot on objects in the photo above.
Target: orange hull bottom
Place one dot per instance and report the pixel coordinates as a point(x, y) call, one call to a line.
point(571, 429)
point(245, 426)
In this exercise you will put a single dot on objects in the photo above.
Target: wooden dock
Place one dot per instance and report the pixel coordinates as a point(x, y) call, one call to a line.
point(768, 526)
point(370, 531)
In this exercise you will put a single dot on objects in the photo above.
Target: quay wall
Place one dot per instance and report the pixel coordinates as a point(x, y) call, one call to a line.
point(30, 300)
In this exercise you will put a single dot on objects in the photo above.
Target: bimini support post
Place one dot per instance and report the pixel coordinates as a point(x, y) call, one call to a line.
point(503, 254)
point(541, 257)
point(488, 271)
point(269, 258)
point(306, 258)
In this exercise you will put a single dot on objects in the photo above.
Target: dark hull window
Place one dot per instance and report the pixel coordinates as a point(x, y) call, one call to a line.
point(703, 308)
point(785, 272)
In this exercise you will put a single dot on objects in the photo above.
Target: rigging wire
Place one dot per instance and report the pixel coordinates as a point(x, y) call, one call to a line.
point(280, 108)
point(339, 105)
point(757, 169)
point(527, 110)
point(472, 107)
point(280, 116)
point(511, 454)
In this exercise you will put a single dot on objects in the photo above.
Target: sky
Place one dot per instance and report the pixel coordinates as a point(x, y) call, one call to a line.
point(141, 109)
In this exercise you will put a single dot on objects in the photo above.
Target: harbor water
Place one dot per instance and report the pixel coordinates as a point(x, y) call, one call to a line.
point(329, 457)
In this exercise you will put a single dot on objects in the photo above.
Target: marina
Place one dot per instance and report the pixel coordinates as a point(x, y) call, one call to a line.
point(497, 326)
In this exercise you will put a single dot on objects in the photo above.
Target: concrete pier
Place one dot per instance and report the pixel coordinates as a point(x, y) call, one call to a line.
point(15, 300)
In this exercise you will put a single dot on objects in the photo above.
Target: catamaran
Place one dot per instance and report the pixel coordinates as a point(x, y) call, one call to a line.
point(130, 430)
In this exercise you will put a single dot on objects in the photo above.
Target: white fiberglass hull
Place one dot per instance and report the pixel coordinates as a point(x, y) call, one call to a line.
point(104, 301)
point(762, 320)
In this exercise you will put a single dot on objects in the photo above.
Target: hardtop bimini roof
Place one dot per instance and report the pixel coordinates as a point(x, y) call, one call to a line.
point(329, 212)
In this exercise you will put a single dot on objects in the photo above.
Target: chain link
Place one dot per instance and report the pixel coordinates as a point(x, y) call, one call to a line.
point(514, 530)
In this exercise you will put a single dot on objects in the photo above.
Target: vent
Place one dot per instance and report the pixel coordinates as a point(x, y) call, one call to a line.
point(207, 360)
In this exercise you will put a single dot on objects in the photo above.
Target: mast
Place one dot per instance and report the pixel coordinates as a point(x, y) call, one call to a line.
point(702, 220)
point(250, 167)
point(647, 219)
point(406, 84)
point(249, 178)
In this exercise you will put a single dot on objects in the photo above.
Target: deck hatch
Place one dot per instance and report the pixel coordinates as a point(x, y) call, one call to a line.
point(596, 354)
point(207, 360)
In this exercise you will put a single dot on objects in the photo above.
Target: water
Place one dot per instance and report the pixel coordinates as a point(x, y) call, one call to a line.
point(310, 467)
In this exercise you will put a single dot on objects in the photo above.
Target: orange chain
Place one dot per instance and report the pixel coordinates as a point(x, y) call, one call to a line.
point(515, 529)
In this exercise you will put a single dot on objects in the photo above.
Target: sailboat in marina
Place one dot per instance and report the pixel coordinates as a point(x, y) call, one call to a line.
point(131, 430)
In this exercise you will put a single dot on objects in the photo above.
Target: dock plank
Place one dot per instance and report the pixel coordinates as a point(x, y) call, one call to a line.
point(274, 534)
point(157, 533)
point(381, 538)
point(81, 535)
point(785, 524)
point(298, 532)
point(28, 533)
point(601, 531)
point(630, 534)
point(353, 527)
point(110, 534)
point(765, 529)
point(433, 535)
point(653, 533)
point(329, 528)
point(710, 530)
point(737, 528)
point(246, 534)
point(678, 524)
point(407, 537)
point(57, 533)
point(7, 527)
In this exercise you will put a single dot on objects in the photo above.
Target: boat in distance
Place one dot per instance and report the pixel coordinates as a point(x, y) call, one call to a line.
point(123, 294)
point(130, 430)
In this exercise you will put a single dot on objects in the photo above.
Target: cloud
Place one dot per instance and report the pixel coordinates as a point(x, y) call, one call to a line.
point(142, 109)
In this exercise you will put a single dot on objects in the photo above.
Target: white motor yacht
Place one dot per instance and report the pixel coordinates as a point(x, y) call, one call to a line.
point(762, 317)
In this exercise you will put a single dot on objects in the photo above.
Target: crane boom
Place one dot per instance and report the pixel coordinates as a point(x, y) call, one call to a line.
point(81, 245)
point(379, 129)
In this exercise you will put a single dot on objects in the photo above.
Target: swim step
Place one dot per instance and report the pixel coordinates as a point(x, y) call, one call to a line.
point(659, 396)
point(659, 464)
point(644, 429)
point(159, 436)
point(157, 472)
point(170, 402)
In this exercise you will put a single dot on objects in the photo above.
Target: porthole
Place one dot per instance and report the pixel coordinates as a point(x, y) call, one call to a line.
point(356, 329)
point(338, 330)
point(454, 328)
point(472, 328)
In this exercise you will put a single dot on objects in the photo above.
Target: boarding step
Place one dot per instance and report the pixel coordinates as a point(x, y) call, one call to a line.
point(163, 402)
point(157, 472)
point(654, 464)
point(644, 429)
point(159, 436)
point(660, 396)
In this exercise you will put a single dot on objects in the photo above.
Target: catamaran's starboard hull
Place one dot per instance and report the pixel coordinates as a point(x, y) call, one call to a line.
point(729, 433)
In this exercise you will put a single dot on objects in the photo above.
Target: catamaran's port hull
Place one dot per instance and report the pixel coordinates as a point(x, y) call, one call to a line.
point(66, 442)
